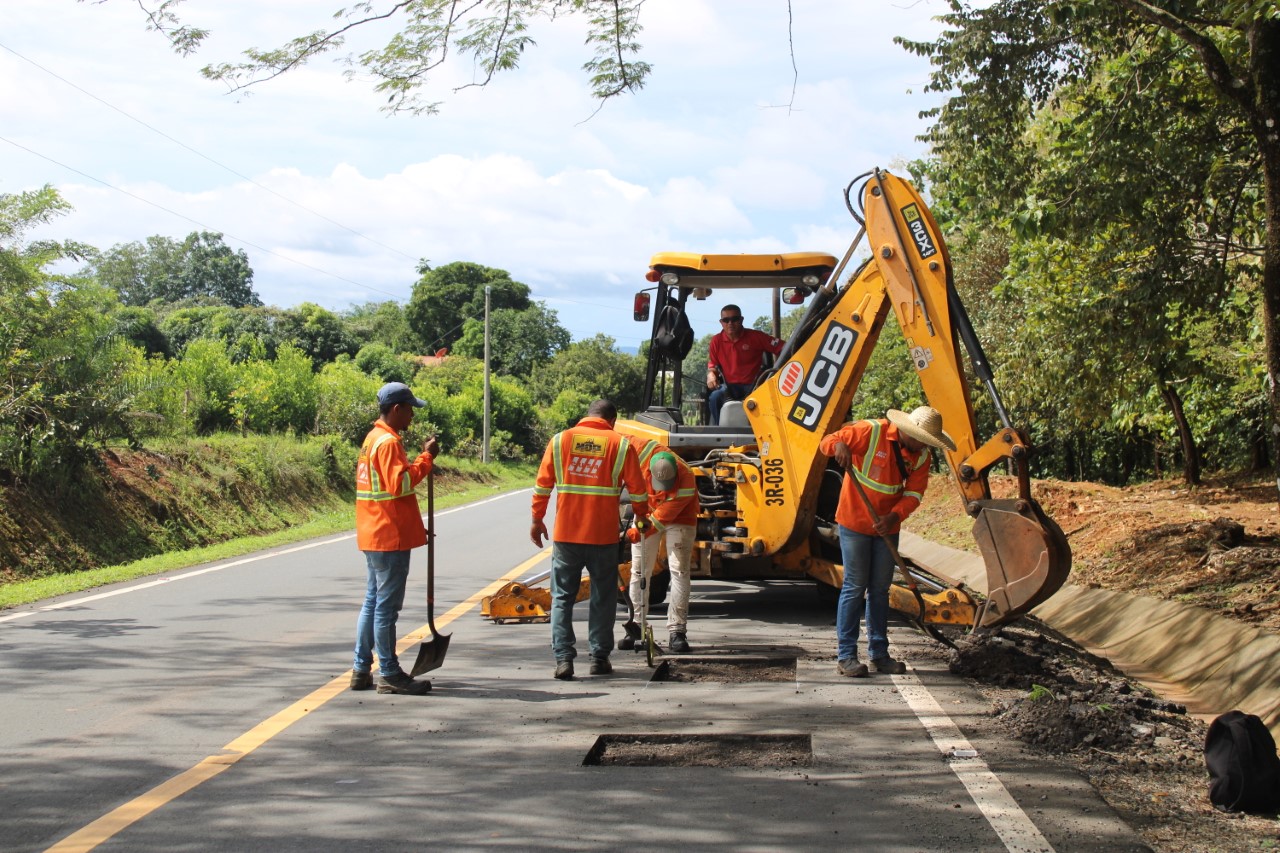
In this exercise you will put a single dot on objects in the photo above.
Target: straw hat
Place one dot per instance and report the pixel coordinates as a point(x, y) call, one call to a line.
point(924, 424)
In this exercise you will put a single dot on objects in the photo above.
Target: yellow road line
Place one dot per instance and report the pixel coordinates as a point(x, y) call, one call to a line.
point(118, 819)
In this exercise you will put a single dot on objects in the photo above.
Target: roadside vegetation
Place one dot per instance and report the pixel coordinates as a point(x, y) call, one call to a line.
point(1112, 229)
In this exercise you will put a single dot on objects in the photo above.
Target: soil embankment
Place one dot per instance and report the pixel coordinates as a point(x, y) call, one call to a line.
point(138, 503)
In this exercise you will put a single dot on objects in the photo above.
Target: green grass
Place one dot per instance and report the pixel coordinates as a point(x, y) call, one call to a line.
point(24, 592)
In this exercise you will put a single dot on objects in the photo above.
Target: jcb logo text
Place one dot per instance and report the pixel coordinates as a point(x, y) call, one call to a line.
point(813, 399)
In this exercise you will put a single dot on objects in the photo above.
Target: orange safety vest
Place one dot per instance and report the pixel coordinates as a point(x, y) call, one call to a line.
point(588, 465)
point(875, 465)
point(387, 514)
point(679, 505)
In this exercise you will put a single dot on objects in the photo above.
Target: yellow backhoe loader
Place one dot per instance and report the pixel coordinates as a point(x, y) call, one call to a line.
point(768, 494)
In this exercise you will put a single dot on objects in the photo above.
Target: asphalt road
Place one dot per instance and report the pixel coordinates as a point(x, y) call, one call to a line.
point(207, 710)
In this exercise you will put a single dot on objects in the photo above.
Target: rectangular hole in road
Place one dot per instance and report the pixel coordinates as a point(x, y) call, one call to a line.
point(725, 670)
point(658, 750)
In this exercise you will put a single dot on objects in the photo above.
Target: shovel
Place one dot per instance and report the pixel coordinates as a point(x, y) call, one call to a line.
point(431, 653)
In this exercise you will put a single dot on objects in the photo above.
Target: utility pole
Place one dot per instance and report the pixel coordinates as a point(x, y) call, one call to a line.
point(484, 450)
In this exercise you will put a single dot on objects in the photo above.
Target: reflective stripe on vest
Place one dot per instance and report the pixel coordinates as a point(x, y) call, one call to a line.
point(649, 447)
point(864, 475)
point(615, 476)
point(375, 492)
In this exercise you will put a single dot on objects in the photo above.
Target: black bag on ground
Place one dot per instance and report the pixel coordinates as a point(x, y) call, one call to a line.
point(1244, 770)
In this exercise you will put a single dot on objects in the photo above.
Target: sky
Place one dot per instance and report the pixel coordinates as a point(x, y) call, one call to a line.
point(336, 202)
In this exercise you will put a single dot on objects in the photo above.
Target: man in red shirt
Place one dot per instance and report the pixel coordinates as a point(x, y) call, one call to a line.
point(388, 525)
point(735, 360)
point(890, 458)
point(589, 466)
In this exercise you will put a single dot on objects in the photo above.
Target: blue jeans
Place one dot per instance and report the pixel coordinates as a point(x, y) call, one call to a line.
point(721, 395)
point(868, 572)
point(383, 597)
point(568, 559)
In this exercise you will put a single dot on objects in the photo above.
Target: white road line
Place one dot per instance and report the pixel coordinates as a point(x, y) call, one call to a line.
point(75, 602)
point(999, 807)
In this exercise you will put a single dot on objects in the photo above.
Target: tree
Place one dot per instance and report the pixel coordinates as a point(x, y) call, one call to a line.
point(519, 341)
point(594, 368)
point(62, 369)
point(141, 273)
point(1009, 64)
point(444, 298)
point(250, 332)
point(166, 270)
point(380, 322)
point(139, 327)
point(494, 35)
point(378, 360)
point(211, 268)
point(316, 331)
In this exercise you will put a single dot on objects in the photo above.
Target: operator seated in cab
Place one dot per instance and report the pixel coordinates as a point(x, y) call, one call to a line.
point(735, 360)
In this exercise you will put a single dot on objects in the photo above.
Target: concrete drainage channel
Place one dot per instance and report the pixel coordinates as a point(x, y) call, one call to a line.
point(710, 750)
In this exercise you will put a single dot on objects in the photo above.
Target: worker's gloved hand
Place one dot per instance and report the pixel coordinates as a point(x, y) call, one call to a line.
point(643, 529)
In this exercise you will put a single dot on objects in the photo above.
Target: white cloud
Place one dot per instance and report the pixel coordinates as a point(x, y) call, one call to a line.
point(524, 175)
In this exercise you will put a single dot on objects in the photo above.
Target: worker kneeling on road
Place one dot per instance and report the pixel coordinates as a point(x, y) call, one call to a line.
point(673, 502)
point(388, 525)
point(890, 459)
point(588, 465)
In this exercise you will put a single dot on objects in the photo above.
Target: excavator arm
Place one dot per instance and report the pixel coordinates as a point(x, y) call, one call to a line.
point(809, 394)
point(768, 494)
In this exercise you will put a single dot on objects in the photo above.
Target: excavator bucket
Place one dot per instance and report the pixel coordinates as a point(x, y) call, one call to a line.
point(1026, 554)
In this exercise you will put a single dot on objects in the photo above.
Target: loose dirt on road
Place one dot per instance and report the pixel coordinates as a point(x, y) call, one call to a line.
point(1216, 546)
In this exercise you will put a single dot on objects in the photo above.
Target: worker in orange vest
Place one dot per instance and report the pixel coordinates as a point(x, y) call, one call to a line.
point(388, 525)
point(889, 457)
point(674, 506)
point(589, 466)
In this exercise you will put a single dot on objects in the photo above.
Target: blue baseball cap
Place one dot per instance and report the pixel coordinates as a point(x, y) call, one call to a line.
point(398, 392)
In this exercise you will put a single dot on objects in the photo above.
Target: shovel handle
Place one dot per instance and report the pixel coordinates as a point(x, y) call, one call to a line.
point(431, 539)
point(893, 549)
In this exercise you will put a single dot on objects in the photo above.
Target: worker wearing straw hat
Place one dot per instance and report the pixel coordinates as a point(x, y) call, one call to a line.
point(889, 457)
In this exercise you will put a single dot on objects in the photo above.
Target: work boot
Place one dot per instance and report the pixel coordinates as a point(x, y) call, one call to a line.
point(889, 665)
point(564, 670)
point(361, 680)
point(851, 668)
point(627, 643)
point(402, 684)
point(677, 643)
point(601, 666)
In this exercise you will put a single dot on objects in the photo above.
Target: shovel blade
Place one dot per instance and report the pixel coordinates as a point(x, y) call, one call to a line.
point(431, 654)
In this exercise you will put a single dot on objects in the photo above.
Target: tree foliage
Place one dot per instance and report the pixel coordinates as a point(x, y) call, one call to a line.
point(446, 297)
point(595, 369)
point(380, 322)
point(428, 33)
point(61, 368)
point(519, 340)
point(1122, 147)
point(167, 270)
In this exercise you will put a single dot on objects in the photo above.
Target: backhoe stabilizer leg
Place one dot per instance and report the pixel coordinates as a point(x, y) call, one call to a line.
point(951, 606)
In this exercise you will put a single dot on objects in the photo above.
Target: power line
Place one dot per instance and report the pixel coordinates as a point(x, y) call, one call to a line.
point(182, 144)
point(198, 223)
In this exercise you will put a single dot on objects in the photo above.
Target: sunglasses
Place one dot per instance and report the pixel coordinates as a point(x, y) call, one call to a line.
point(737, 319)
